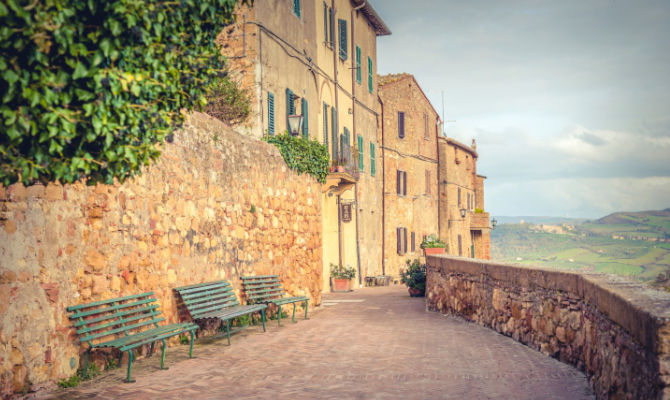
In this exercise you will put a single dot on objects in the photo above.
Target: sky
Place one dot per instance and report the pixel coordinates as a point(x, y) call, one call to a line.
point(569, 101)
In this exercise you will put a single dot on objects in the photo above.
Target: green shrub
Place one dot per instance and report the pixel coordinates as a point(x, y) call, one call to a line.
point(82, 375)
point(432, 241)
point(226, 101)
point(478, 211)
point(340, 272)
point(414, 275)
point(303, 155)
point(90, 89)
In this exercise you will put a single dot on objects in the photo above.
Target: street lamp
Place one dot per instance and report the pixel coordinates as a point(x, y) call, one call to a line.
point(494, 222)
point(463, 210)
point(295, 124)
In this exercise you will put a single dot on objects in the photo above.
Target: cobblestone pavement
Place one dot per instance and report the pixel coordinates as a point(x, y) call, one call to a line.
point(373, 343)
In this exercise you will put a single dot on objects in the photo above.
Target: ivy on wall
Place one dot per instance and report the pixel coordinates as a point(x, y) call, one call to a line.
point(303, 155)
point(91, 88)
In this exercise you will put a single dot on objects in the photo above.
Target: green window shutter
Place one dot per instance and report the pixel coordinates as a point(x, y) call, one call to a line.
point(325, 22)
point(373, 160)
point(342, 25)
point(361, 164)
point(358, 65)
point(333, 133)
point(271, 113)
point(325, 124)
point(305, 119)
point(369, 74)
point(296, 8)
point(290, 107)
point(331, 25)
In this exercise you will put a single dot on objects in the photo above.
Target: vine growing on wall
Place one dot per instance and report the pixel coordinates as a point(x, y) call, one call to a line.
point(91, 88)
point(303, 155)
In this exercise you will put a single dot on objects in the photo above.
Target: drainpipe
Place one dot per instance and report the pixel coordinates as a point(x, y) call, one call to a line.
point(353, 127)
point(383, 192)
point(337, 124)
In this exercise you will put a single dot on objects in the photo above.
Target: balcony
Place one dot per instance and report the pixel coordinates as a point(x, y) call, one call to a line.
point(340, 181)
point(479, 220)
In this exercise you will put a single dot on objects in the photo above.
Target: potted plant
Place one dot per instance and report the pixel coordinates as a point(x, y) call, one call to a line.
point(341, 277)
point(414, 276)
point(431, 244)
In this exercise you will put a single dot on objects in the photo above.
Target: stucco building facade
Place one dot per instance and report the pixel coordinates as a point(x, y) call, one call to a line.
point(318, 59)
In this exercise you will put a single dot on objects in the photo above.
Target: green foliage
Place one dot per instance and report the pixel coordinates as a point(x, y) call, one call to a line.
point(183, 339)
point(226, 101)
point(90, 89)
point(243, 320)
point(303, 155)
point(431, 242)
point(252, 209)
point(479, 211)
point(414, 275)
point(273, 316)
point(111, 363)
point(340, 272)
point(82, 375)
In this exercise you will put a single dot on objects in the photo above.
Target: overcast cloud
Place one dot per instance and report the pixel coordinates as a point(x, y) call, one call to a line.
point(569, 100)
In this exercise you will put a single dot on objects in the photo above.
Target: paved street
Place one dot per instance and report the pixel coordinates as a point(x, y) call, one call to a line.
point(374, 343)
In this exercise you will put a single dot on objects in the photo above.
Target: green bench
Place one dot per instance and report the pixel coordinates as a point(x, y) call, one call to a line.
point(216, 300)
point(125, 323)
point(268, 289)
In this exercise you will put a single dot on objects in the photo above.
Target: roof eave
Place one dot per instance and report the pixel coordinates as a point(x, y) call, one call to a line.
point(375, 20)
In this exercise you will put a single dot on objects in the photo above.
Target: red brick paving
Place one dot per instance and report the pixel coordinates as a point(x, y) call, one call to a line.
point(383, 347)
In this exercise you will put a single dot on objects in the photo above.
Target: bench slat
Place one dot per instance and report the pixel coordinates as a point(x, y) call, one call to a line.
point(177, 329)
point(101, 302)
point(88, 329)
point(201, 286)
point(123, 340)
point(111, 309)
point(121, 313)
point(191, 299)
point(245, 278)
point(121, 329)
point(197, 313)
point(234, 312)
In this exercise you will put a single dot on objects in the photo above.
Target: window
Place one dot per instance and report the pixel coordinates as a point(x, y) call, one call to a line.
point(271, 113)
point(373, 168)
point(361, 164)
point(325, 23)
point(305, 118)
point(427, 182)
point(460, 244)
point(425, 126)
point(342, 28)
point(325, 124)
point(401, 182)
point(358, 65)
point(370, 74)
point(401, 124)
point(296, 8)
point(401, 240)
point(413, 243)
point(333, 131)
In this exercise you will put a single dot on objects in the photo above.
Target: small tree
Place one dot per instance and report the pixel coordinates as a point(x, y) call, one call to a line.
point(90, 89)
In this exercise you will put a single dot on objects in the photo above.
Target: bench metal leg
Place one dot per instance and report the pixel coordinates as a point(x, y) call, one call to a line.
point(228, 330)
point(163, 355)
point(190, 350)
point(306, 301)
point(263, 319)
point(151, 350)
point(130, 366)
point(86, 359)
point(293, 316)
point(279, 316)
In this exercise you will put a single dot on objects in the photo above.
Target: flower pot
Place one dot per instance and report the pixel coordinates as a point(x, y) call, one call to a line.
point(416, 292)
point(340, 285)
point(434, 250)
point(340, 168)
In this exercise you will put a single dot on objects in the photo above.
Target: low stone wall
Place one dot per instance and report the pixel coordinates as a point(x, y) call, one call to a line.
point(216, 205)
point(616, 331)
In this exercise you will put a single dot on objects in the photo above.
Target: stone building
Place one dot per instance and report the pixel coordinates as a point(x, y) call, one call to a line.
point(410, 163)
point(318, 59)
point(463, 223)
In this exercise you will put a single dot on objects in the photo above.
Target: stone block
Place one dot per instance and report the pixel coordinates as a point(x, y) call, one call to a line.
point(95, 260)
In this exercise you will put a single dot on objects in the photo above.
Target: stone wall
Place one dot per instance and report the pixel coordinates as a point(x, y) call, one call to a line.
point(216, 205)
point(616, 331)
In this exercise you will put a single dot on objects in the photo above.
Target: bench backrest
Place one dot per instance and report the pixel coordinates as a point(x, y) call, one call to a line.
point(202, 299)
point(101, 320)
point(262, 288)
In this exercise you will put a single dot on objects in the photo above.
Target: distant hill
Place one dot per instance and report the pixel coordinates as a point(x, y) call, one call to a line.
point(635, 218)
point(534, 219)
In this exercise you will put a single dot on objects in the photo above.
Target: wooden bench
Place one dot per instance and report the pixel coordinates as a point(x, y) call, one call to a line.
point(216, 300)
point(122, 323)
point(268, 289)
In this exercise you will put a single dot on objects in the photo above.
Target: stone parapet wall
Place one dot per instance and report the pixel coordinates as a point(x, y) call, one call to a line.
point(616, 331)
point(216, 205)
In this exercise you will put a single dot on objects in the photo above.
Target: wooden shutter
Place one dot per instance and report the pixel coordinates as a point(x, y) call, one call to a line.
point(290, 107)
point(427, 182)
point(305, 118)
point(361, 164)
point(398, 232)
point(373, 160)
point(331, 25)
point(325, 124)
point(404, 237)
point(358, 65)
point(369, 74)
point(325, 23)
point(398, 181)
point(404, 183)
point(401, 124)
point(460, 244)
point(271, 113)
point(342, 26)
point(296, 8)
point(425, 126)
point(413, 242)
point(333, 133)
